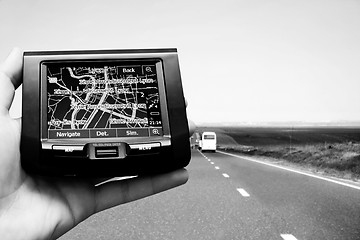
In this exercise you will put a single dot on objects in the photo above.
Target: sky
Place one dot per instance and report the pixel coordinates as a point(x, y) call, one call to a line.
point(241, 61)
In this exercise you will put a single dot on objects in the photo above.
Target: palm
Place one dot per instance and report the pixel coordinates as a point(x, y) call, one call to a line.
point(52, 206)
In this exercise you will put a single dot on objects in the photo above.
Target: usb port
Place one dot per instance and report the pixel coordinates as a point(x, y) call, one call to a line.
point(106, 152)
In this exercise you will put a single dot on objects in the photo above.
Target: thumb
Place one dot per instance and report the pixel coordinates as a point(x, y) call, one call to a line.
point(10, 77)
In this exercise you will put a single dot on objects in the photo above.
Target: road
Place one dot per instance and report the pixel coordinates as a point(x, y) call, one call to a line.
point(228, 197)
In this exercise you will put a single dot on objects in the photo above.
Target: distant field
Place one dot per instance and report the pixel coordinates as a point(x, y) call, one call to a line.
point(334, 151)
point(283, 136)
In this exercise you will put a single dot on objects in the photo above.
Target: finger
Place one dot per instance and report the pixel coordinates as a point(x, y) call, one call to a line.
point(10, 77)
point(115, 193)
point(12, 67)
point(191, 124)
point(18, 123)
point(192, 127)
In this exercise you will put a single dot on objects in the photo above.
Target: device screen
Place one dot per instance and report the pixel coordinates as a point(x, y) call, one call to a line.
point(103, 99)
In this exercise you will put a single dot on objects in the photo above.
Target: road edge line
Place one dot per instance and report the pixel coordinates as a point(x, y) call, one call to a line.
point(291, 170)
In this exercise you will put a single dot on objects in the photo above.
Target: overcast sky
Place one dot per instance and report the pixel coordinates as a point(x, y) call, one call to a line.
point(241, 61)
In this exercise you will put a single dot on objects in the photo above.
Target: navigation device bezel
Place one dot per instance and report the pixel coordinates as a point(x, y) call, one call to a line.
point(144, 155)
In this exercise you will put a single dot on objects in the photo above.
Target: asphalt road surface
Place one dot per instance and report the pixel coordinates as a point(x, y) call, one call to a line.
point(228, 197)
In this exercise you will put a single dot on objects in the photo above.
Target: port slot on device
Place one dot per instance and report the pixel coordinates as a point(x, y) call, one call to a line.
point(107, 152)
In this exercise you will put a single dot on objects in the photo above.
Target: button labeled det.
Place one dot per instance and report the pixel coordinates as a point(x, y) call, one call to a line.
point(103, 133)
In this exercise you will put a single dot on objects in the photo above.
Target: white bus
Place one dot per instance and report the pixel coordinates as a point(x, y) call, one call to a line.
point(208, 141)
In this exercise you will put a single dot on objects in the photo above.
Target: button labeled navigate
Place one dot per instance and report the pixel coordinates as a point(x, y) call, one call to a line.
point(68, 134)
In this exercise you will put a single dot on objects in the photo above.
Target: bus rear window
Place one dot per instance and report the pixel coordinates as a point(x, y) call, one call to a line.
point(209, 137)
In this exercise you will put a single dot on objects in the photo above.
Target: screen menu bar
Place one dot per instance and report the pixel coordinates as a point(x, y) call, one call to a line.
point(105, 133)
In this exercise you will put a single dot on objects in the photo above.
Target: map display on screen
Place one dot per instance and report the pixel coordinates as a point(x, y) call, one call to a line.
point(103, 99)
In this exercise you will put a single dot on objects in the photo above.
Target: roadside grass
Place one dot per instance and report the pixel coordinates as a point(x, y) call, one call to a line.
point(337, 159)
point(330, 151)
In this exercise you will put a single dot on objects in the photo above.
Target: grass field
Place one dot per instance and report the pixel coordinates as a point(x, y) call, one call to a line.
point(332, 151)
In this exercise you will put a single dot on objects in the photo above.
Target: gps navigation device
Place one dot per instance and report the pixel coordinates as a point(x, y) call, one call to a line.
point(103, 113)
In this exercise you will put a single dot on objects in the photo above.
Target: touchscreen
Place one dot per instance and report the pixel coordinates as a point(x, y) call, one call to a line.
point(103, 99)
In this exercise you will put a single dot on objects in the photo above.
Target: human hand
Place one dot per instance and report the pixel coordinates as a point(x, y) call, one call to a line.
point(34, 207)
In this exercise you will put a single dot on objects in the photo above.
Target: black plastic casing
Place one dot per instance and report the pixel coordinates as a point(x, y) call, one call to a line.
point(38, 154)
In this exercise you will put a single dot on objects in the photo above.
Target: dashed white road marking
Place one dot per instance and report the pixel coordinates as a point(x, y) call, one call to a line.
point(240, 190)
point(243, 192)
point(292, 170)
point(288, 237)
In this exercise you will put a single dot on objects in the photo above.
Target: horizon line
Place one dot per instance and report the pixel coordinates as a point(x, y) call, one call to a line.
point(283, 124)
